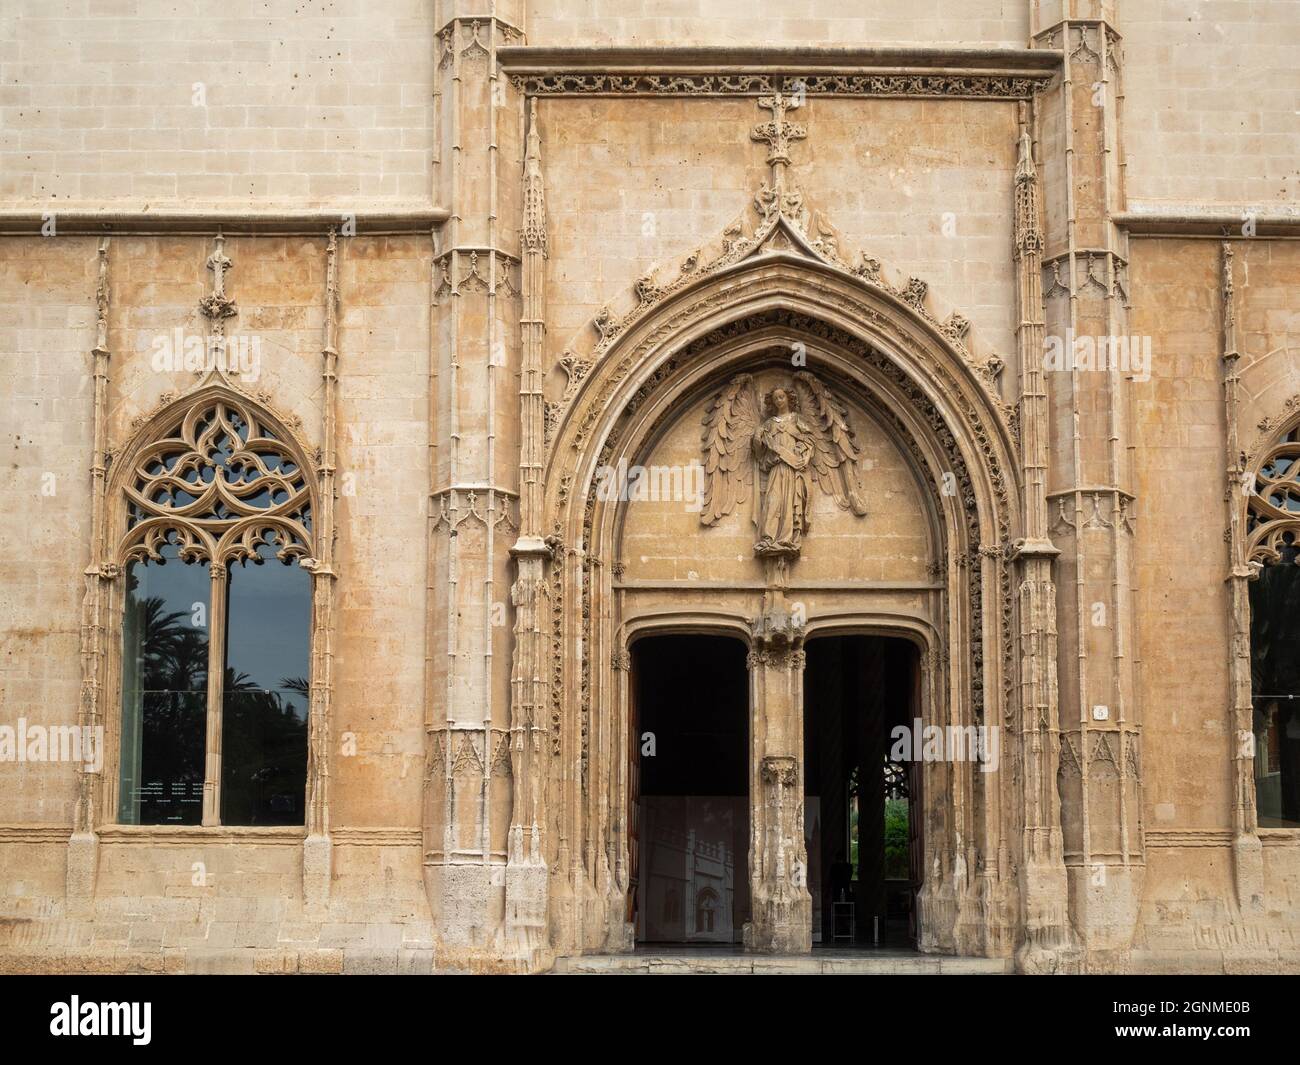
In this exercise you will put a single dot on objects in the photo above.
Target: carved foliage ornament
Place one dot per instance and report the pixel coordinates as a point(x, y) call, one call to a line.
point(780, 769)
point(956, 86)
point(218, 484)
point(796, 433)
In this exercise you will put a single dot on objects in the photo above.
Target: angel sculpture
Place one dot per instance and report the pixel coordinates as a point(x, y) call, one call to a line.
point(796, 433)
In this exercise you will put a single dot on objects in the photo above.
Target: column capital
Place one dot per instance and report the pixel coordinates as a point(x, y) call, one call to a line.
point(1034, 548)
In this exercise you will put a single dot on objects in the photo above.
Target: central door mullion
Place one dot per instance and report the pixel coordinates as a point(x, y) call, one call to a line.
point(782, 905)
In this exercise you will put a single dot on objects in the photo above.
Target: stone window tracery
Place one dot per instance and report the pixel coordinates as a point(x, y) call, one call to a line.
point(219, 482)
point(216, 622)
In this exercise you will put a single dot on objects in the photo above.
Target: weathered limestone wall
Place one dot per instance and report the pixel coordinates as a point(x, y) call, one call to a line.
point(722, 22)
point(47, 328)
point(630, 183)
point(925, 186)
point(320, 104)
point(1181, 557)
point(306, 103)
point(216, 905)
point(234, 900)
point(1268, 329)
point(156, 284)
point(384, 463)
point(1209, 109)
point(1191, 908)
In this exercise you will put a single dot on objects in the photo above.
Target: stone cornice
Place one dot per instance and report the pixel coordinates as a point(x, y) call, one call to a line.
point(634, 584)
point(366, 836)
point(959, 73)
point(704, 59)
point(35, 832)
point(1219, 221)
point(70, 220)
point(200, 835)
point(1188, 837)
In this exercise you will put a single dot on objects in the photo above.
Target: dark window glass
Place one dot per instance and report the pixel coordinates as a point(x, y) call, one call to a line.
point(164, 691)
point(264, 711)
point(1275, 683)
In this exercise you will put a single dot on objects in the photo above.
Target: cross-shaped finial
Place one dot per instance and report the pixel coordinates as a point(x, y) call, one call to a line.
point(778, 133)
point(215, 305)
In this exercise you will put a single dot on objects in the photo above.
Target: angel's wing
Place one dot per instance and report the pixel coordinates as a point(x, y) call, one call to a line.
point(728, 434)
point(835, 451)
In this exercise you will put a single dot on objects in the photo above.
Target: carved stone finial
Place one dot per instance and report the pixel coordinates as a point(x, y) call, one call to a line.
point(533, 236)
point(1229, 305)
point(957, 327)
point(102, 299)
point(778, 133)
point(216, 305)
point(869, 269)
point(575, 368)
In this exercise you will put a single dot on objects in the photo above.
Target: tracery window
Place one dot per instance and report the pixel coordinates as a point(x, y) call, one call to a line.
point(216, 622)
point(1273, 544)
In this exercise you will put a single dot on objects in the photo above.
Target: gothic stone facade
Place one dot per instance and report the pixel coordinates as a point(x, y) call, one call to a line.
point(487, 249)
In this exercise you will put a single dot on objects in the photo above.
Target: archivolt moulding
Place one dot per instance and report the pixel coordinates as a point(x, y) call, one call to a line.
point(802, 295)
point(963, 467)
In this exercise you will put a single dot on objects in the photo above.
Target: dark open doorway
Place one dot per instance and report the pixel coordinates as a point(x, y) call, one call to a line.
point(689, 799)
point(861, 811)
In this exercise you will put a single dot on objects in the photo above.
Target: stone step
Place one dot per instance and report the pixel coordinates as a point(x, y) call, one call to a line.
point(820, 962)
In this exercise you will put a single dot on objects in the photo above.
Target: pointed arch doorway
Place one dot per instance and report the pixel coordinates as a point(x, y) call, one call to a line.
point(856, 572)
